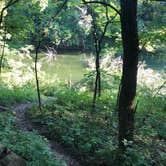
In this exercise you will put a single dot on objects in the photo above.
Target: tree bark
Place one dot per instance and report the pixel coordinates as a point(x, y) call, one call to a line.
point(36, 77)
point(97, 88)
point(3, 52)
point(127, 93)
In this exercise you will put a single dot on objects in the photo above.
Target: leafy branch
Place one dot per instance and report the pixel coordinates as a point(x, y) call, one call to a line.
point(10, 3)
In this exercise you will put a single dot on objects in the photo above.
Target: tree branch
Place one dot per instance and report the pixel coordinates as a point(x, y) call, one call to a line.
point(10, 3)
point(106, 25)
point(104, 4)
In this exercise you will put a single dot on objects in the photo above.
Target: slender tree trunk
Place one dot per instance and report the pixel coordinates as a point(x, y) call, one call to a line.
point(98, 41)
point(99, 82)
point(36, 76)
point(2, 55)
point(97, 87)
point(127, 93)
point(96, 81)
point(98, 65)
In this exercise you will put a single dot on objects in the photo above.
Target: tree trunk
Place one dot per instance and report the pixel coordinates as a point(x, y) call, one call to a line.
point(36, 77)
point(97, 88)
point(2, 55)
point(127, 93)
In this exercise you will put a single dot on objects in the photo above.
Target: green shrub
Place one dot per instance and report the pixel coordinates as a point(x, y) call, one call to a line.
point(95, 141)
point(28, 145)
point(12, 94)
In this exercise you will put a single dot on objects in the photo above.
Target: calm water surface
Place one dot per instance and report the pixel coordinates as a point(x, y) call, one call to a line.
point(66, 67)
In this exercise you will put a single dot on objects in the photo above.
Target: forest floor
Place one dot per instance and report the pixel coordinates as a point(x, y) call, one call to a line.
point(25, 125)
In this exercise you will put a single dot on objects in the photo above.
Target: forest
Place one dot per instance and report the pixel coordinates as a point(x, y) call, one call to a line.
point(82, 82)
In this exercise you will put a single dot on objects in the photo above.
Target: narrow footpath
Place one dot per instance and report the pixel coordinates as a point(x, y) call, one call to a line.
point(25, 125)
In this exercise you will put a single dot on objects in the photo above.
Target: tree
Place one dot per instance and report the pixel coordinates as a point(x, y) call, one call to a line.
point(101, 20)
point(40, 36)
point(127, 92)
point(3, 51)
point(3, 26)
point(7, 5)
point(126, 108)
point(29, 23)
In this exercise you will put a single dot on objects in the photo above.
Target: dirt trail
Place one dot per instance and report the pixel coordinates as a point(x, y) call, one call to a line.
point(25, 125)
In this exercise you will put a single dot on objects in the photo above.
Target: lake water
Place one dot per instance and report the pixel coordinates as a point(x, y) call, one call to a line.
point(66, 67)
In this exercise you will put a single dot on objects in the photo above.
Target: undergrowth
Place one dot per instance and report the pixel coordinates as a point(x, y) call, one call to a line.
point(29, 145)
point(14, 94)
point(94, 140)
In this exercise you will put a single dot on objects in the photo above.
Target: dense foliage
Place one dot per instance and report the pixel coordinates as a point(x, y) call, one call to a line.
point(30, 146)
point(95, 142)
